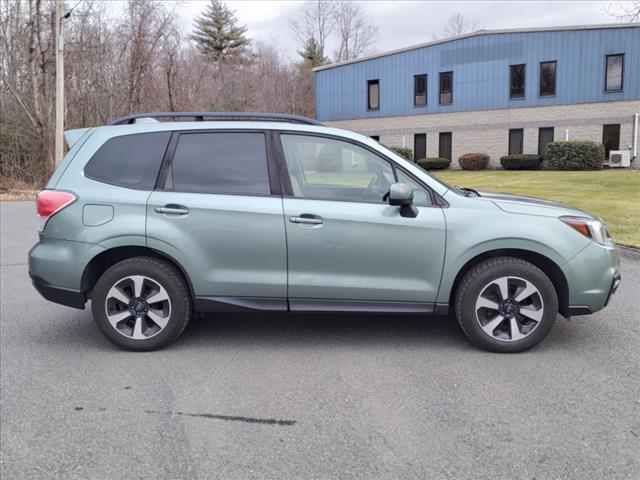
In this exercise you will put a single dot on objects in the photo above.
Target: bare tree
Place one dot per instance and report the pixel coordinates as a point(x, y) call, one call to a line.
point(356, 34)
point(457, 24)
point(625, 12)
point(316, 23)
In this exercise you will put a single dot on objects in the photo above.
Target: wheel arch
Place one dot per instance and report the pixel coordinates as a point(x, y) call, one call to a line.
point(548, 267)
point(101, 262)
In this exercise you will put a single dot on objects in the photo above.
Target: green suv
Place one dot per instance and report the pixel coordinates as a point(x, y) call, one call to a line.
point(219, 212)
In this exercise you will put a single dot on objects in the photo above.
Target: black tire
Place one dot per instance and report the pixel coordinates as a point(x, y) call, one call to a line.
point(471, 287)
point(166, 275)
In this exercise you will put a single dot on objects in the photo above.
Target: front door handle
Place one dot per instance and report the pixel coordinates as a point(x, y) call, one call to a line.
point(173, 210)
point(308, 219)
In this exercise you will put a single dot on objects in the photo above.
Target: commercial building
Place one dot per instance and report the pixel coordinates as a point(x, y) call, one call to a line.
point(492, 91)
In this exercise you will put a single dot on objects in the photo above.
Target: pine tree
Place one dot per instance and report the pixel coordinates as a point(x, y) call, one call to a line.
point(312, 53)
point(218, 34)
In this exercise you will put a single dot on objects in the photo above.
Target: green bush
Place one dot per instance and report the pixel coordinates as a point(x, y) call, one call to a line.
point(434, 163)
point(521, 162)
point(473, 161)
point(403, 152)
point(574, 156)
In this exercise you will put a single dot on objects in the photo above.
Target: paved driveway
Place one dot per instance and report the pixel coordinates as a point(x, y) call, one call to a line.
point(306, 397)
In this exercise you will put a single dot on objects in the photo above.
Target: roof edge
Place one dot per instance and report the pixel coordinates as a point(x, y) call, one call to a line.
point(599, 26)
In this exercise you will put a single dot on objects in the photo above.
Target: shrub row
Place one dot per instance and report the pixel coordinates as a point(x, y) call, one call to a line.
point(473, 161)
point(403, 152)
point(521, 162)
point(434, 163)
point(574, 156)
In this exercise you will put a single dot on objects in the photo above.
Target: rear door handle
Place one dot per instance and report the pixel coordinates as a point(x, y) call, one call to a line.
point(173, 210)
point(308, 219)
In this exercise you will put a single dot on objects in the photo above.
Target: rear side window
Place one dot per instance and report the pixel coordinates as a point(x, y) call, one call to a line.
point(130, 161)
point(224, 163)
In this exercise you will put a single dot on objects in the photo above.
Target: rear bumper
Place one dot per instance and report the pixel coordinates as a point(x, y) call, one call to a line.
point(61, 295)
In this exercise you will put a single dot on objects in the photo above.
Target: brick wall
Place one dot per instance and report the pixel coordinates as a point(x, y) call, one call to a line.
point(488, 130)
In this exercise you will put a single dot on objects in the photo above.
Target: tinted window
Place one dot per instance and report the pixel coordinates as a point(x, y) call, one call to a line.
point(615, 68)
point(227, 163)
point(446, 87)
point(419, 146)
point(547, 78)
point(129, 161)
point(444, 149)
point(516, 136)
point(328, 169)
point(545, 136)
point(373, 94)
point(516, 81)
point(420, 90)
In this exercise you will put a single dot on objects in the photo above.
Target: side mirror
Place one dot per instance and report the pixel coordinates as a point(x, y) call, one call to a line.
point(401, 195)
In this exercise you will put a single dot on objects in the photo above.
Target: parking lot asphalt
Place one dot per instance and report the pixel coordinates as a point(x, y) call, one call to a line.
point(311, 397)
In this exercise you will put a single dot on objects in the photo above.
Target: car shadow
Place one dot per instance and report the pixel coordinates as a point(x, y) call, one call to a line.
point(314, 330)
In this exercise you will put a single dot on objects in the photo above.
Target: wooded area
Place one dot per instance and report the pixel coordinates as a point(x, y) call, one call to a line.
point(136, 59)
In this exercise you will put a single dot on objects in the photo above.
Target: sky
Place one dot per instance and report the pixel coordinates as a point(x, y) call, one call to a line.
point(402, 23)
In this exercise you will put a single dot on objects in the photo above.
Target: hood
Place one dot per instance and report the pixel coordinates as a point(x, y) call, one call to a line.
point(531, 205)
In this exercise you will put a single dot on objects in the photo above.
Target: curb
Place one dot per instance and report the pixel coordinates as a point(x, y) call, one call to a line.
point(630, 253)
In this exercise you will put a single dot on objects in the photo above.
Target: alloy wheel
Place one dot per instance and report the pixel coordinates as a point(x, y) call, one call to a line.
point(138, 307)
point(509, 308)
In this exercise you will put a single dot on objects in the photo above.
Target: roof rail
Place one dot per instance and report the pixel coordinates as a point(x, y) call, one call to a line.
point(219, 116)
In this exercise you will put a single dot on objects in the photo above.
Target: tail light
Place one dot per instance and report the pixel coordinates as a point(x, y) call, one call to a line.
point(50, 202)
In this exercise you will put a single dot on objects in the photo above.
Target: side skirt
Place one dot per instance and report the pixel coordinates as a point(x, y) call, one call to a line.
point(249, 304)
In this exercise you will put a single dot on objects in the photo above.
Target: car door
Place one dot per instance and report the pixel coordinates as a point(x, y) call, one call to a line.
point(348, 249)
point(219, 214)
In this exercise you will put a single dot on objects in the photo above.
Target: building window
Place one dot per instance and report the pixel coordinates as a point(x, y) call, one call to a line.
point(373, 94)
point(516, 81)
point(420, 90)
point(446, 88)
point(545, 136)
point(516, 136)
point(615, 73)
point(375, 137)
point(547, 79)
point(444, 149)
point(611, 138)
point(419, 146)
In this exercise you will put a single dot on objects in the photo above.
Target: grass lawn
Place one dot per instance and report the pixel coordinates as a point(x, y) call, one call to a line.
point(613, 195)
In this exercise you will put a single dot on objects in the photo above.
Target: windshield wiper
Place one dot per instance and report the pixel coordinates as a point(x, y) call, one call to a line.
point(469, 192)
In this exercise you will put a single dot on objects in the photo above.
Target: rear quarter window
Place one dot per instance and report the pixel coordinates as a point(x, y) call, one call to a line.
point(131, 161)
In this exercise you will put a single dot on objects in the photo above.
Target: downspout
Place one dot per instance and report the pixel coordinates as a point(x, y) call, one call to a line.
point(635, 135)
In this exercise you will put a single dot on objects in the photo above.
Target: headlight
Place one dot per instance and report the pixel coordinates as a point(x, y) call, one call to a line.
point(593, 229)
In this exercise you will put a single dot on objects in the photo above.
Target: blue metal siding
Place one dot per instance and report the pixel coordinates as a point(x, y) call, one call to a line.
point(481, 73)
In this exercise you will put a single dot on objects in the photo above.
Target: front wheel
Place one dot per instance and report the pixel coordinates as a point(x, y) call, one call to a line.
point(141, 304)
point(506, 305)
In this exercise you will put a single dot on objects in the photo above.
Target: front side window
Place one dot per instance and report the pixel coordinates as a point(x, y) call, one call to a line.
point(446, 88)
point(131, 161)
point(373, 94)
point(327, 169)
point(614, 73)
point(420, 195)
point(516, 81)
point(420, 90)
point(516, 137)
point(547, 79)
point(221, 162)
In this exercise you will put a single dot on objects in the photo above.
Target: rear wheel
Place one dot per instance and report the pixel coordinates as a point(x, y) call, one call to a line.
point(506, 305)
point(141, 304)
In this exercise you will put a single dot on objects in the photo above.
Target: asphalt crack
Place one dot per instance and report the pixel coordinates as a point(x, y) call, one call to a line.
point(214, 416)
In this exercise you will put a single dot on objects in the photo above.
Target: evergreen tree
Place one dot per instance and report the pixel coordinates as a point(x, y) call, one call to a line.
point(218, 34)
point(312, 53)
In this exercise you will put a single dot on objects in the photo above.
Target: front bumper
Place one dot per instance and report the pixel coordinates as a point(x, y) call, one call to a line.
point(593, 275)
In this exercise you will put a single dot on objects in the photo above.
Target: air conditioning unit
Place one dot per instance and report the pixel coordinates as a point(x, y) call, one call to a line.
point(619, 158)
